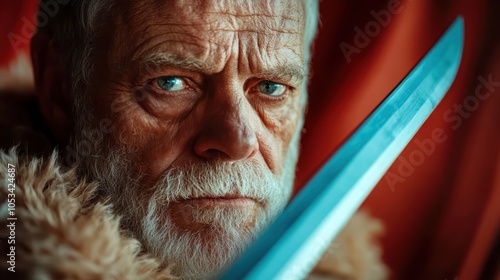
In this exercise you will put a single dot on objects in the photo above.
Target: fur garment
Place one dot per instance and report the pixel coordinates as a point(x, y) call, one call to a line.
point(63, 231)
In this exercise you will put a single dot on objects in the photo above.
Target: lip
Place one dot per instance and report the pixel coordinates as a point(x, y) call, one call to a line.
point(226, 200)
point(227, 196)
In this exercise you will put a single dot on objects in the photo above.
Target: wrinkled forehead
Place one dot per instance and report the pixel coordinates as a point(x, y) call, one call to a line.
point(203, 26)
point(286, 15)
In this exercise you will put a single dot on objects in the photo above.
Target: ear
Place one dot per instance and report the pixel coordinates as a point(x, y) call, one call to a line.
point(52, 85)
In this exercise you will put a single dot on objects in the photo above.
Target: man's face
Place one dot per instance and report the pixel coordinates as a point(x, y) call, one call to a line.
point(205, 99)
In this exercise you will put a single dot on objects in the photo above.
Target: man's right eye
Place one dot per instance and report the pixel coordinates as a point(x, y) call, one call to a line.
point(171, 83)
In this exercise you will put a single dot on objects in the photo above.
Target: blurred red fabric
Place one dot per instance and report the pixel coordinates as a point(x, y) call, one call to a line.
point(17, 22)
point(441, 210)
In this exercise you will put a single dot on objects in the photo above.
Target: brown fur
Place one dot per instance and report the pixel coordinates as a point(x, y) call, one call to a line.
point(62, 233)
point(354, 254)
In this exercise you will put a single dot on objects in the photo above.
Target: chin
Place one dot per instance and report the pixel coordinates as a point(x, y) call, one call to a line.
point(204, 247)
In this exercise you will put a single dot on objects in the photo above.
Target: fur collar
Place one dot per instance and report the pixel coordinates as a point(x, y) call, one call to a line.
point(60, 233)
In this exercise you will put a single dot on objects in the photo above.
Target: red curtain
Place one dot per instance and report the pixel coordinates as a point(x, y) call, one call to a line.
point(440, 201)
point(17, 22)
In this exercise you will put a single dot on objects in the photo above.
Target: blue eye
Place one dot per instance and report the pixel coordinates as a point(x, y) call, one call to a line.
point(170, 83)
point(271, 88)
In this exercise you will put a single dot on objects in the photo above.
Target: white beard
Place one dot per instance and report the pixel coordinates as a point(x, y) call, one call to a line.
point(204, 253)
point(192, 255)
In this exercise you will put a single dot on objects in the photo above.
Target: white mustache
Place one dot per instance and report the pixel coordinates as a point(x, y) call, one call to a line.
point(218, 179)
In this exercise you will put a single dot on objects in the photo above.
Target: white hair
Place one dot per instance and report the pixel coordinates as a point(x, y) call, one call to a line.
point(311, 8)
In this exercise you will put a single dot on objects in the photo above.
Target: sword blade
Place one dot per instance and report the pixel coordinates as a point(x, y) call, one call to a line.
point(289, 248)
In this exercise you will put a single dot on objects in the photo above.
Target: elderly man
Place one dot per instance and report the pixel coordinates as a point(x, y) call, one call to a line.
point(184, 119)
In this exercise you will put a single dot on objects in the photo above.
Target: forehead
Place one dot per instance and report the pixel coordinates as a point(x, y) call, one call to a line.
point(210, 30)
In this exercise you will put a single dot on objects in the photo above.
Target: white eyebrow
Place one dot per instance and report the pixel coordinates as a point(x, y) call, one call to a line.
point(289, 71)
point(161, 59)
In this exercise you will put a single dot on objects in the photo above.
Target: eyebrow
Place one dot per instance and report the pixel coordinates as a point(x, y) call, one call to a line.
point(161, 59)
point(290, 71)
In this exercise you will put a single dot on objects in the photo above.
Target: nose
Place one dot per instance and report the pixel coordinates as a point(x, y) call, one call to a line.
point(227, 131)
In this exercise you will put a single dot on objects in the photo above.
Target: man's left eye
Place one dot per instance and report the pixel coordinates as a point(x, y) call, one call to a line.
point(170, 83)
point(271, 88)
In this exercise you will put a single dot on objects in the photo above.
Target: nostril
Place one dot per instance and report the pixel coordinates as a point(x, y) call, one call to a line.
point(216, 154)
point(227, 138)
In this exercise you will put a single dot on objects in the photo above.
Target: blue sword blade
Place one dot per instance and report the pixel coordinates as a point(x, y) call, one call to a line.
point(290, 247)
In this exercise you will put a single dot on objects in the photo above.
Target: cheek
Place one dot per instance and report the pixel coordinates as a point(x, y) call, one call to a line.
point(280, 124)
point(152, 143)
point(285, 124)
